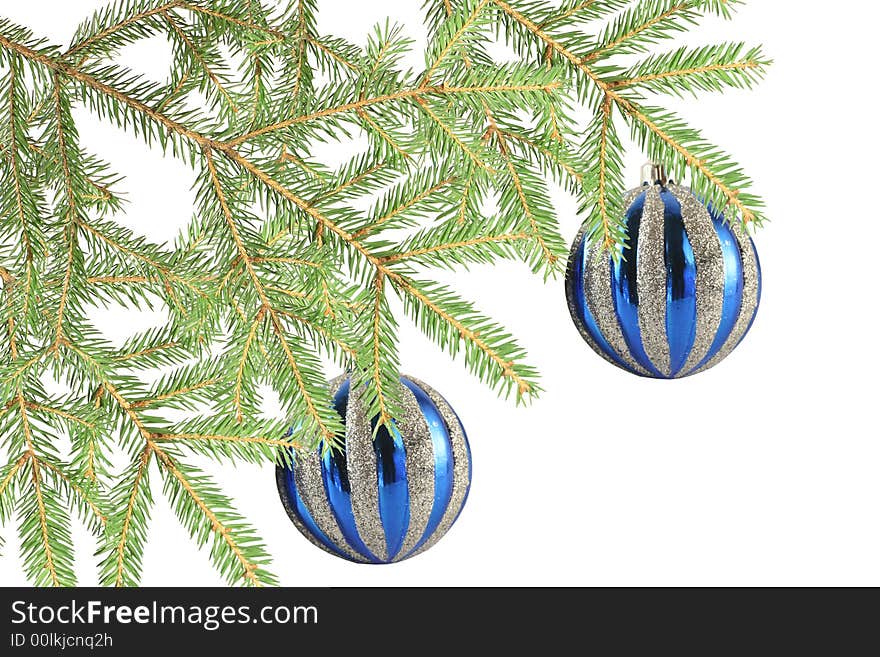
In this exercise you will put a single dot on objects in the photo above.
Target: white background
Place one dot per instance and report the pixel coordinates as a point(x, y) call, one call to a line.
point(763, 471)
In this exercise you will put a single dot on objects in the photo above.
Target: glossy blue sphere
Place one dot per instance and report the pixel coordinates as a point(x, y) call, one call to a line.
point(679, 299)
point(388, 496)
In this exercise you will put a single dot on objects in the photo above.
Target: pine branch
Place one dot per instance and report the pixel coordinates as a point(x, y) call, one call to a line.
point(385, 136)
point(236, 441)
point(448, 133)
point(318, 412)
point(47, 546)
point(728, 188)
point(21, 201)
point(235, 550)
point(381, 356)
point(417, 94)
point(80, 492)
point(533, 201)
point(397, 208)
point(549, 154)
point(200, 61)
point(10, 476)
point(126, 529)
point(604, 150)
point(454, 30)
point(580, 10)
point(7, 480)
point(304, 19)
point(643, 25)
point(287, 258)
point(333, 52)
point(227, 18)
point(710, 68)
point(491, 354)
point(716, 177)
point(453, 245)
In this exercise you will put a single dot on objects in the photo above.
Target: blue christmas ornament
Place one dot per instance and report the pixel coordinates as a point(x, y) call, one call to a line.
point(387, 498)
point(682, 297)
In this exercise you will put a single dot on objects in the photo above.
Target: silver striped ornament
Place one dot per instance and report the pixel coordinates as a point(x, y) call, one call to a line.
point(681, 297)
point(387, 497)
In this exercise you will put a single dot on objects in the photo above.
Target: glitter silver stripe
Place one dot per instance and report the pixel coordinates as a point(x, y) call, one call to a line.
point(709, 261)
point(749, 298)
point(310, 486)
point(651, 281)
point(597, 290)
point(361, 458)
point(281, 480)
point(419, 469)
point(630, 197)
point(601, 303)
point(309, 483)
point(461, 465)
point(573, 303)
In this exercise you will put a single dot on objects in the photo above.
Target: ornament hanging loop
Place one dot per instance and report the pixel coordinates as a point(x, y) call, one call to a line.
point(654, 174)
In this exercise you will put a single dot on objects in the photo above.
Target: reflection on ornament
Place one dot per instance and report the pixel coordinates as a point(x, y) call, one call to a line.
point(387, 498)
point(681, 297)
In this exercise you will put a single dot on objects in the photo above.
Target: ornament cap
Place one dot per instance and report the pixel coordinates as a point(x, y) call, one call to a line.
point(654, 174)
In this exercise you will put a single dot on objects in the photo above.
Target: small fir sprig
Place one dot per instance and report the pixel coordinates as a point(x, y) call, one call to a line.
point(281, 263)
